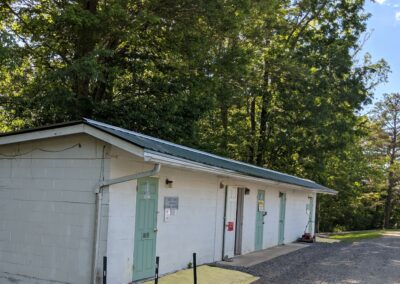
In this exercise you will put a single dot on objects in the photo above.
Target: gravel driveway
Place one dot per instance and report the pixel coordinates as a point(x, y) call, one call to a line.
point(367, 261)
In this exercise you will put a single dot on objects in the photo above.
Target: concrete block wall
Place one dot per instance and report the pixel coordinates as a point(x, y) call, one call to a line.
point(197, 222)
point(47, 210)
point(47, 213)
point(193, 228)
point(121, 214)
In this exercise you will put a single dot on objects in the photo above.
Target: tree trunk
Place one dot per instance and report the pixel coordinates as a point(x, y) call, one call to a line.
point(85, 45)
point(265, 104)
point(224, 119)
point(388, 202)
point(252, 147)
point(391, 178)
point(223, 98)
point(262, 133)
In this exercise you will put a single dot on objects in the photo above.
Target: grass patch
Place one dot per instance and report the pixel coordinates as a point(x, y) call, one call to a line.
point(356, 236)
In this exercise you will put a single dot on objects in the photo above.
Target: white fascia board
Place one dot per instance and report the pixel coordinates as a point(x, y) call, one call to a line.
point(70, 130)
point(151, 156)
point(41, 134)
point(115, 141)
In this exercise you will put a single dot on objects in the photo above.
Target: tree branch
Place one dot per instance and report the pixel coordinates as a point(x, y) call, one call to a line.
point(26, 25)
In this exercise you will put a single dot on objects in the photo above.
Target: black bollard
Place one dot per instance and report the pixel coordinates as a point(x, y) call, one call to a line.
point(194, 269)
point(157, 266)
point(104, 269)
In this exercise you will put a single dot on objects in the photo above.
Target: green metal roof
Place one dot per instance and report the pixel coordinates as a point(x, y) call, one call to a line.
point(168, 148)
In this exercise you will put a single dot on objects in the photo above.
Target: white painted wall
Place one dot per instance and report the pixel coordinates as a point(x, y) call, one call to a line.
point(296, 214)
point(47, 208)
point(193, 229)
point(198, 225)
point(296, 217)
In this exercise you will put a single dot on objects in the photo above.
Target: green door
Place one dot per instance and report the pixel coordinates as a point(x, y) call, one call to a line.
point(310, 210)
point(282, 211)
point(145, 228)
point(260, 219)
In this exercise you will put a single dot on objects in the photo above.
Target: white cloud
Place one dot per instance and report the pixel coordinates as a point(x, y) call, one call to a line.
point(397, 16)
point(380, 1)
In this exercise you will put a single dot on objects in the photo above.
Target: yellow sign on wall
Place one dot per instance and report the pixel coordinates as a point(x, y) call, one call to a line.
point(261, 206)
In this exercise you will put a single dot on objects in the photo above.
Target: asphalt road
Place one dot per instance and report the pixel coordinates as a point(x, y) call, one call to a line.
point(367, 261)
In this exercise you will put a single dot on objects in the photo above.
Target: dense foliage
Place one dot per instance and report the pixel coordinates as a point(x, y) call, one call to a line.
point(274, 83)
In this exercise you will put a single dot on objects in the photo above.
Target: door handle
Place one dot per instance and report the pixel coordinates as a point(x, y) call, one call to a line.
point(155, 230)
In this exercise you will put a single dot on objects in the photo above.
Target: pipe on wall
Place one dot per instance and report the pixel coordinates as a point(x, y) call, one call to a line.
point(223, 232)
point(99, 198)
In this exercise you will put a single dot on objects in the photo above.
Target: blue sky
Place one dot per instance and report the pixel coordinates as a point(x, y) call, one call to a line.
point(384, 41)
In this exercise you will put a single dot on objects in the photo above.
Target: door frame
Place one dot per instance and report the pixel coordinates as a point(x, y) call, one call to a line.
point(155, 181)
point(228, 240)
point(239, 220)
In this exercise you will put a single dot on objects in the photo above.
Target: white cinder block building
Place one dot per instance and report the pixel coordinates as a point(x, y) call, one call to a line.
point(74, 193)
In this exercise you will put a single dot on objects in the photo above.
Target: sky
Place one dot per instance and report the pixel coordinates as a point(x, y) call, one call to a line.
point(384, 41)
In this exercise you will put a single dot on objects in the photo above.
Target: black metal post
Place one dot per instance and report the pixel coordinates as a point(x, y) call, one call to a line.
point(104, 269)
point(194, 269)
point(157, 266)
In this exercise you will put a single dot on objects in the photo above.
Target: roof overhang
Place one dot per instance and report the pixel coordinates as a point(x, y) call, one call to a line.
point(151, 156)
point(80, 127)
point(64, 130)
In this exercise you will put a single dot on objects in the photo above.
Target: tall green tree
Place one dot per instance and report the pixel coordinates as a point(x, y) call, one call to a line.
point(387, 146)
point(357, 173)
point(273, 83)
point(132, 63)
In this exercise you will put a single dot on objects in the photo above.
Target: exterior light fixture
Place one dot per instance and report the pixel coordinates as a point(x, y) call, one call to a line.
point(169, 183)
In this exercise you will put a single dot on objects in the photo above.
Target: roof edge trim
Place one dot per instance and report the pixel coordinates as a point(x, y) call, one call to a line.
point(152, 156)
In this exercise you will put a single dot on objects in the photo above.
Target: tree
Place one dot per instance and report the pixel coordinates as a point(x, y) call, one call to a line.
point(131, 63)
point(358, 175)
point(387, 118)
point(273, 83)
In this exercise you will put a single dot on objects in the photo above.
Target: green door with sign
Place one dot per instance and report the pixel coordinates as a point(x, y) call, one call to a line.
point(260, 219)
point(145, 228)
point(282, 211)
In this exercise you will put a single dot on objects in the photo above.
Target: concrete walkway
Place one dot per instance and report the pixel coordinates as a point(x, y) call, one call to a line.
point(257, 257)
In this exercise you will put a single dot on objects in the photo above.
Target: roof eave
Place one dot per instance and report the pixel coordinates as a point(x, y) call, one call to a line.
point(82, 126)
point(152, 156)
point(42, 128)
